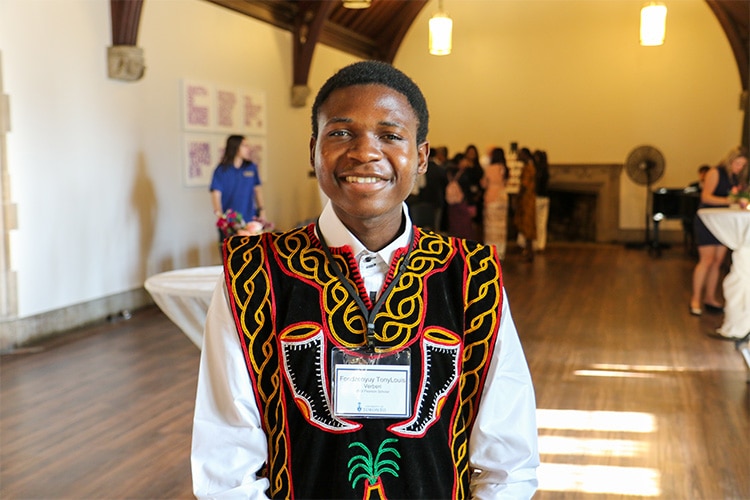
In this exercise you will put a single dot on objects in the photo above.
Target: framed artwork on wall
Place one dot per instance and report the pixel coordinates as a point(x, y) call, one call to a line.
point(210, 113)
point(197, 106)
point(254, 112)
point(201, 154)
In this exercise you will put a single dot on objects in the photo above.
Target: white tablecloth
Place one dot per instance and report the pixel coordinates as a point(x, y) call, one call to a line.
point(731, 226)
point(184, 296)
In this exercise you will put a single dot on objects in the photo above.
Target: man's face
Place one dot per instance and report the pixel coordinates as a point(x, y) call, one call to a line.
point(366, 157)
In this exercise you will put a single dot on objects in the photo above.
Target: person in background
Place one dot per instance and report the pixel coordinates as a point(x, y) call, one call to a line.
point(711, 252)
point(441, 156)
point(236, 183)
point(496, 201)
point(461, 212)
point(525, 215)
point(702, 171)
point(434, 191)
point(426, 204)
point(443, 160)
point(476, 195)
point(309, 327)
point(542, 200)
point(688, 220)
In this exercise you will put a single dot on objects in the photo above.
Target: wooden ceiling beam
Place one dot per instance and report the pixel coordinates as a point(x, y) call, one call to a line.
point(308, 26)
point(734, 18)
point(407, 15)
point(280, 14)
point(126, 18)
point(315, 21)
point(125, 60)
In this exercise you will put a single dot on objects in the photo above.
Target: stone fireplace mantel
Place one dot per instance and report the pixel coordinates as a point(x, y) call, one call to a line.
point(600, 179)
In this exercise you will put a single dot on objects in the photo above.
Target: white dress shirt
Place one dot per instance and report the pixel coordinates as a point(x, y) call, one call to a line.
point(373, 266)
point(229, 444)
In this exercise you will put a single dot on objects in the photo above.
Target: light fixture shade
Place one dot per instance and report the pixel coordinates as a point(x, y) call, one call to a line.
point(653, 24)
point(356, 4)
point(441, 33)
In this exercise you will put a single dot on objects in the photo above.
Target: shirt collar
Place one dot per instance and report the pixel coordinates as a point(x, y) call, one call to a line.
point(337, 235)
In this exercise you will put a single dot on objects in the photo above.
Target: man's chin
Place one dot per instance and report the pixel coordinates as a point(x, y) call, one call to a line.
point(367, 212)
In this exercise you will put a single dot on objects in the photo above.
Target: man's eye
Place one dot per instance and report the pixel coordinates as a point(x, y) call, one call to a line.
point(339, 133)
point(392, 137)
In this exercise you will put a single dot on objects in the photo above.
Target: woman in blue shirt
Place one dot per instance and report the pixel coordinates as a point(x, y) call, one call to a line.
point(236, 184)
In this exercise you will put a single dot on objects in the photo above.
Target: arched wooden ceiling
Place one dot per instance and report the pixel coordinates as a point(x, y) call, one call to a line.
point(372, 33)
point(734, 17)
point(377, 32)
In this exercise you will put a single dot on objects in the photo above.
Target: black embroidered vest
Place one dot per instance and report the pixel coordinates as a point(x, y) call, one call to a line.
point(291, 309)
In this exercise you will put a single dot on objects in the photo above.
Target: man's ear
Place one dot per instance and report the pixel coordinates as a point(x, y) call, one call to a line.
point(423, 153)
point(313, 141)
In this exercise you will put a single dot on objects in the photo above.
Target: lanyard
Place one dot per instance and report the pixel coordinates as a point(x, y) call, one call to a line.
point(370, 315)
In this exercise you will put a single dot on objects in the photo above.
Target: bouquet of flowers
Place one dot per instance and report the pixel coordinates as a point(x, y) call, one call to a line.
point(740, 195)
point(231, 223)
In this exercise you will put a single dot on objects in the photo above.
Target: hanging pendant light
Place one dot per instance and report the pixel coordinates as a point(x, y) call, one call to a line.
point(653, 24)
point(441, 32)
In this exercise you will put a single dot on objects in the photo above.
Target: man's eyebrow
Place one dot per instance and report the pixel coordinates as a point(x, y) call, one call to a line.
point(392, 124)
point(342, 119)
point(338, 119)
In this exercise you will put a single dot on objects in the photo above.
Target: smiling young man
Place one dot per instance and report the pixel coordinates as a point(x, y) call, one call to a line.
point(360, 356)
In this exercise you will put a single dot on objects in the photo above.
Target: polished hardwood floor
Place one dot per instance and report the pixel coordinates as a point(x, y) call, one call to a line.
point(635, 400)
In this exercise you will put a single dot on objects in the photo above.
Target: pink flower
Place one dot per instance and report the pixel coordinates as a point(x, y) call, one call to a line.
point(230, 222)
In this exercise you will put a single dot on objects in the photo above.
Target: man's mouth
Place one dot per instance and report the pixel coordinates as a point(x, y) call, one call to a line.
point(361, 180)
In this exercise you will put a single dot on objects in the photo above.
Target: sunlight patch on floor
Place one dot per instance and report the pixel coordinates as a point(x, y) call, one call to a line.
point(593, 478)
point(612, 373)
point(628, 371)
point(636, 481)
point(638, 368)
point(582, 420)
point(561, 445)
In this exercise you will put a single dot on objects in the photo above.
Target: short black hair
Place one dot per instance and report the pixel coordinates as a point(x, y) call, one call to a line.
point(381, 73)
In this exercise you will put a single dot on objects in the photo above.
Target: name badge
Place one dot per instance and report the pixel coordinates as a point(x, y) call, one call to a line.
point(369, 385)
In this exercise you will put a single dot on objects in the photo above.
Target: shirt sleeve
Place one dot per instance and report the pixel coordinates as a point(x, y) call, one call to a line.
point(229, 445)
point(503, 447)
point(216, 180)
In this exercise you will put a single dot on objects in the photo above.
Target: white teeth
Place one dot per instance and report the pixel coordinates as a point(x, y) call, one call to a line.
point(361, 180)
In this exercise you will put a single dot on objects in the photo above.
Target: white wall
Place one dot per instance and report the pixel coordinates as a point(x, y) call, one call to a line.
point(95, 164)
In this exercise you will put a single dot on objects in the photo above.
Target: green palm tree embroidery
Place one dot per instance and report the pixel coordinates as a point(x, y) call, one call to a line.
point(372, 468)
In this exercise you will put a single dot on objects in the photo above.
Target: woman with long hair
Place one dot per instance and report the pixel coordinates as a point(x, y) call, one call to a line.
point(525, 216)
point(496, 201)
point(711, 253)
point(236, 183)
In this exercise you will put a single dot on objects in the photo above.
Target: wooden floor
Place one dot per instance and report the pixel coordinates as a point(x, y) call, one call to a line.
point(635, 401)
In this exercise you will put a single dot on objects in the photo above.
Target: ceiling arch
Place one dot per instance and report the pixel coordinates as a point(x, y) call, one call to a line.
point(377, 32)
point(734, 18)
point(372, 33)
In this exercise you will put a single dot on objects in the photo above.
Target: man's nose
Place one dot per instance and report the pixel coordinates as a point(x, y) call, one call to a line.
point(365, 148)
